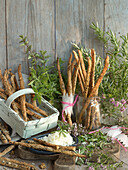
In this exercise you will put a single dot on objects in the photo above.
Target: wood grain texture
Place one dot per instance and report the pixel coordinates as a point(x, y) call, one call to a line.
point(73, 19)
point(116, 12)
point(2, 36)
point(34, 19)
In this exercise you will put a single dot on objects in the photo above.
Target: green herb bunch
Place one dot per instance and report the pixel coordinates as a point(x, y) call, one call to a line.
point(43, 78)
point(90, 144)
point(115, 83)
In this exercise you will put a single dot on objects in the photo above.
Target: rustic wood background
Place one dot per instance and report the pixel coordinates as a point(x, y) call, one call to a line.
point(52, 25)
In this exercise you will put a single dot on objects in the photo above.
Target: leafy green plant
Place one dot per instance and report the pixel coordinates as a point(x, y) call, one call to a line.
point(43, 78)
point(90, 144)
point(115, 83)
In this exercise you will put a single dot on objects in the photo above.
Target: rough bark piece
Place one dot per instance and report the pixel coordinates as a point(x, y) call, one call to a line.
point(62, 85)
point(22, 98)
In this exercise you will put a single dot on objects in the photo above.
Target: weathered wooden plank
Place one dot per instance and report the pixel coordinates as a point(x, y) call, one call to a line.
point(116, 12)
point(2, 35)
point(34, 19)
point(73, 19)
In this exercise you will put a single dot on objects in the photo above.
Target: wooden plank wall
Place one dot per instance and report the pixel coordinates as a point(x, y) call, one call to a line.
point(52, 25)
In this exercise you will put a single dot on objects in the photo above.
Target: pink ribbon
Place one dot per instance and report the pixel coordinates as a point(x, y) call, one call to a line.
point(113, 138)
point(69, 104)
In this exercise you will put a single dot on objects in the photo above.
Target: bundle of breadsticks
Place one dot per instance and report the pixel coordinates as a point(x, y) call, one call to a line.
point(27, 111)
point(68, 94)
point(39, 144)
point(89, 89)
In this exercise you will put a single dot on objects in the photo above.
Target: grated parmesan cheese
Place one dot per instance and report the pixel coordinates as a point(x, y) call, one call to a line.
point(59, 139)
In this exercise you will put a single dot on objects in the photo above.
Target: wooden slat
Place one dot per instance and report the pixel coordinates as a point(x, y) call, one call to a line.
point(2, 35)
point(116, 12)
point(34, 19)
point(73, 19)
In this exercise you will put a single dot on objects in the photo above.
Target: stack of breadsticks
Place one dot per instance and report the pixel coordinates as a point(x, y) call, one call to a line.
point(24, 109)
point(90, 89)
point(68, 94)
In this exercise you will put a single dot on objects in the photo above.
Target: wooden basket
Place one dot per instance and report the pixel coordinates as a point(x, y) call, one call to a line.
point(30, 128)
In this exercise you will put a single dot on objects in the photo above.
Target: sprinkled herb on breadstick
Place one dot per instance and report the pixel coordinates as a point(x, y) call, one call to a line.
point(41, 147)
point(82, 64)
point(37, 109)
point(62, 86)
point(16, 164)
point(3, 138)
point(42, 142)
point(8, 149)
point(88, 77)
point(22, 98)
point(74, 79)
point(69, 84)
point(9, 91)
point(80, 70)
point(94, 90)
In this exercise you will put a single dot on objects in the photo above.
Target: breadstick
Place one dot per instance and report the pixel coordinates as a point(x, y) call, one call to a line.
point(92, 117)
point(94, 90)
point(9, 91)
point(13, 83)
point(72, 148)
point(1, 76)
point(29, 112)
point(88, 77)
point(80, 70)
point(72, 65)
point(69, 119)
point(37, 109)
point(22, 98)
point(88, 116)
point(74, 79)
point(82, 64)
point(62, 86)
point(8, 149)
point(81, 84)
point(3, 138)
point(5, 132)
point(3, 96)
point(92, 75)
point(69, 84)
point(41, 147)
point(33, 101)
point(16, 164)
point(1, 90)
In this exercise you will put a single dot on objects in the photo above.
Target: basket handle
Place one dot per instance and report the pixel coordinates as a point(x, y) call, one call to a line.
point(17, 94)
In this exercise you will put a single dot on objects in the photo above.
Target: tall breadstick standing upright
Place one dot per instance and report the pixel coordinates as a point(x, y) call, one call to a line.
point(88, 77)
point(80, 70)
point(94, 90)
point(69, 84)
point(72, 65)
point(9, 91)
point(82, 64)
point(22, 98)
point(74, 79)
point(92, 75)
point(62, 86)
